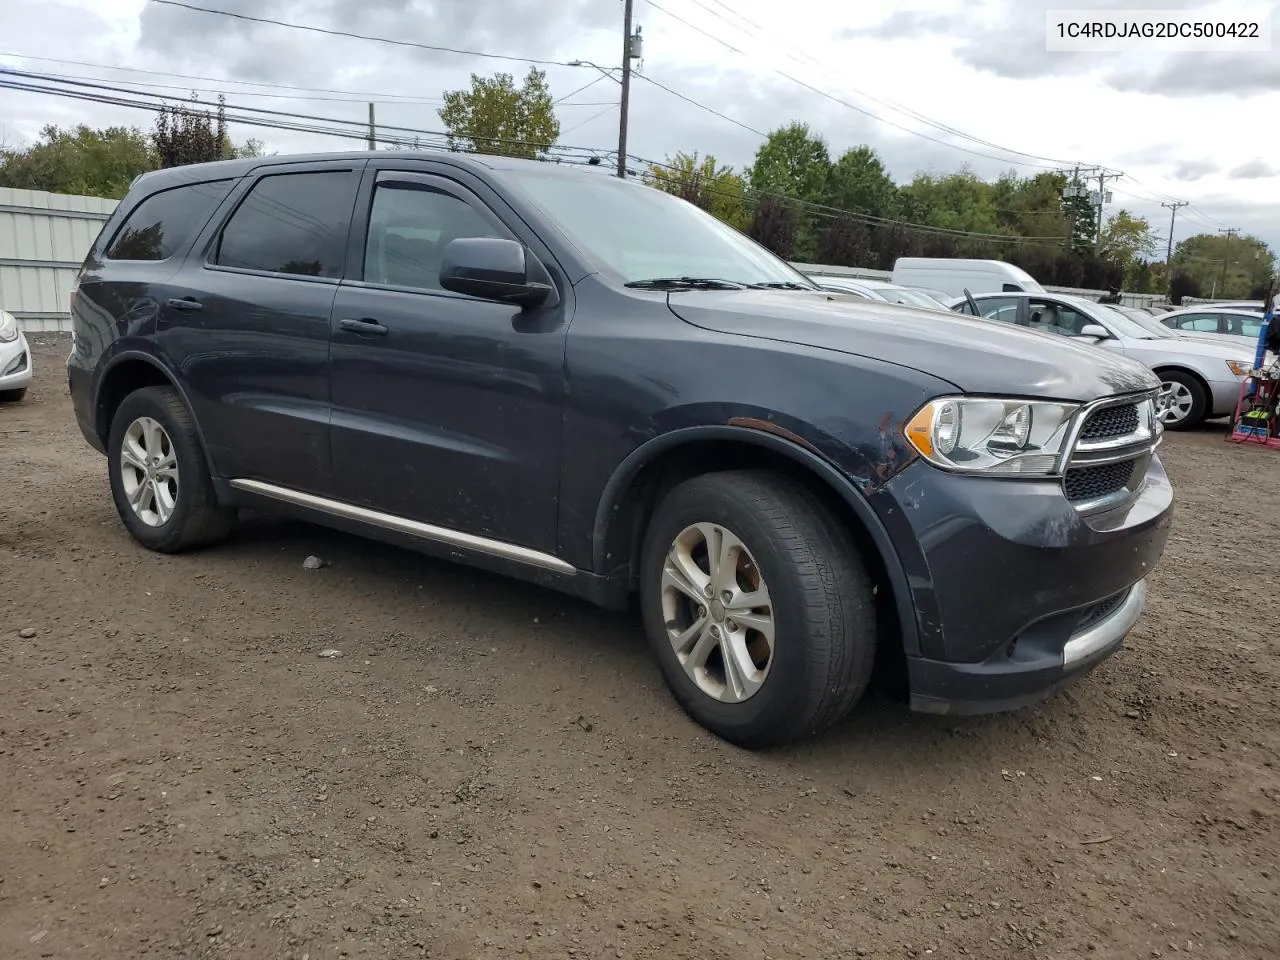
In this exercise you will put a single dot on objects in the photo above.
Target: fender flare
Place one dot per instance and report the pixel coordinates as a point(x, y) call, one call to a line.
point(800, 453)
point(129, 354)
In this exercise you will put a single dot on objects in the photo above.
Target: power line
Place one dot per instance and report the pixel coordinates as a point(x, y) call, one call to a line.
point(1055, 164)
point(701, 106)
point(357, 36)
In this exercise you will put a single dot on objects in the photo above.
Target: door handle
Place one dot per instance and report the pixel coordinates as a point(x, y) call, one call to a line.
point(364, 326)
point(185, 303)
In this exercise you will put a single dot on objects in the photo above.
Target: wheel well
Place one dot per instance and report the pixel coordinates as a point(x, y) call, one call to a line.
point(1204, 384)
point(120, 381)
point(625, 534)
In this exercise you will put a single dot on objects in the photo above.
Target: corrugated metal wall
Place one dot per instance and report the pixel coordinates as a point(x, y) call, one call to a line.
point(44, 237)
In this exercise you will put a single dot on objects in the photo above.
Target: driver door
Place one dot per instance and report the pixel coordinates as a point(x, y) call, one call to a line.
point(447, 409)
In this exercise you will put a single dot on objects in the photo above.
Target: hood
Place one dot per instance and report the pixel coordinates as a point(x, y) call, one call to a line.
point(978, 356)
point(1210, 337)
point(1222, 346)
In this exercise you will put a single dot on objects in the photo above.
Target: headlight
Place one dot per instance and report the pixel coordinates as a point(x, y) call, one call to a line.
point(992, 436)
point(8, 327)
point(1239, 367)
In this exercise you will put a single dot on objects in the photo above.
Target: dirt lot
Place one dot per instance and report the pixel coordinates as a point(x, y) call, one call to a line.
point(491, 770)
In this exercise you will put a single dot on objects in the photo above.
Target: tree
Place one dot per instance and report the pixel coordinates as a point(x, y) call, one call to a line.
point(704, 183)
point(79, 161)
point(844, 242)
point(1126, 238)
point(1081, 216)
point(858, 181)
point(186, 135)
point(1227, 268)
point(1183, 284)
point(792, 162)
point(497, 118)
point(774, 226)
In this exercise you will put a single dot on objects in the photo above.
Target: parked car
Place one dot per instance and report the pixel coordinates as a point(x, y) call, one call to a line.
point(1200, 379)
point(1231, 322)
point(954, 275)
point(878, 290)
point(15, 360)
point(596, 386)
point(1150, 323)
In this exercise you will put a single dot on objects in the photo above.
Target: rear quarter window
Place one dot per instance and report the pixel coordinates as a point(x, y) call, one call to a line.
point(158, 227)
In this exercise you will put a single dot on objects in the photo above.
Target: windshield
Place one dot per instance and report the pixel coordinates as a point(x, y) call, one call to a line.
point(639, 233)
point(1123, 326)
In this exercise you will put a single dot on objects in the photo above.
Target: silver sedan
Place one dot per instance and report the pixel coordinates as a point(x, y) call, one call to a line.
point(1201, 378)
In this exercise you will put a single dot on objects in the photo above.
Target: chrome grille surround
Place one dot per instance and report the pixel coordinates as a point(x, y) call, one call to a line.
point(1104, 437)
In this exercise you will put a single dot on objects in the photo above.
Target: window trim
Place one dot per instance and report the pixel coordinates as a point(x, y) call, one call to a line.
point(181, 249)
point(358, 239)
point(435, 182)
point(248, 184)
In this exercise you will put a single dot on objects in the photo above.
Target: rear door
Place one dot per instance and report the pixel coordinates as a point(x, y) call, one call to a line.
point(447, 409)
point(248, 321)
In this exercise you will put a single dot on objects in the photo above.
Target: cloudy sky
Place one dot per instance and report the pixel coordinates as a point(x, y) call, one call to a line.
point(932, 85)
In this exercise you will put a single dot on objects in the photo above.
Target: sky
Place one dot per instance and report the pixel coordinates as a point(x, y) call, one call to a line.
point(931, 85)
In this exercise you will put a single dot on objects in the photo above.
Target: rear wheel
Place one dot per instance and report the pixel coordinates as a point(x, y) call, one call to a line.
point(12, 396)
point(159, 478)
point(757, 606)
point(1186, 400)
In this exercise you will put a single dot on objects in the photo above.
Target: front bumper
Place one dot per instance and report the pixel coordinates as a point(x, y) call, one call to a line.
point(1223, 395)
point(15, 364)
point(1016, 593)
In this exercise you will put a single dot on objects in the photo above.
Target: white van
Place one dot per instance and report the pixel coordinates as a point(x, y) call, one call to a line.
point(953, 276)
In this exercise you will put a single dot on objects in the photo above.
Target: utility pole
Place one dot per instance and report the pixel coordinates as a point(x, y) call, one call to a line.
point(1230, 232)
point(1173, 212)
point(626, 88)
point(1103, 177)
point(373, 131)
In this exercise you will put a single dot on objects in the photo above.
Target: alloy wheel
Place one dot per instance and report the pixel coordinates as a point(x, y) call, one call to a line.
point(149, 471)
point(718, 612)
point(1178, 401)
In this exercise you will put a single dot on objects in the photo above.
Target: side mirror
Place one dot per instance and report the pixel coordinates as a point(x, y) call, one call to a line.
point(491, 268)
point(1095, 330)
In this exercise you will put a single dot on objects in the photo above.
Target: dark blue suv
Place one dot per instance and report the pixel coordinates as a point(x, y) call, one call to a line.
point(579, 380)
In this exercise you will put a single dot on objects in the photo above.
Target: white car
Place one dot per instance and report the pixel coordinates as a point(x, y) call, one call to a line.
point(878, 290)
point(1201, 378)
point(15, 360)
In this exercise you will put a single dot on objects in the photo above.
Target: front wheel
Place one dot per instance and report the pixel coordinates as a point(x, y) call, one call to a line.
point(12, 396)
point(757, 606)
point(1186, 400)
point(159, 478)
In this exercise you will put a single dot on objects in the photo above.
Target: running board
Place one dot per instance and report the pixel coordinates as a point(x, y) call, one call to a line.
point(413, 528)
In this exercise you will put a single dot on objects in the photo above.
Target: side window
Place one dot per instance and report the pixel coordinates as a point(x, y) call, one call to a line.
point(1010, 288)
point(409, 227)
point(1199, 322)
point(1244, 325)
point(294, 223)
point(1003, 309)
point(163, 222)
point(1053, 317)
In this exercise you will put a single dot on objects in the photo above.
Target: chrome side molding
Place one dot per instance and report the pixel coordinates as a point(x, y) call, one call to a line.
point(413, 528)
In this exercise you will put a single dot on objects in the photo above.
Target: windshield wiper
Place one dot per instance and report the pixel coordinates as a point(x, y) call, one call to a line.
point(686, 283)
point(781, 285)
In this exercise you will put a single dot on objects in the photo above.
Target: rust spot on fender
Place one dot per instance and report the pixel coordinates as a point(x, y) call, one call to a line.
point(768, 426)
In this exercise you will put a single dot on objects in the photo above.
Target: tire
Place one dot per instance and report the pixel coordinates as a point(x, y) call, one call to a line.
point(821, 607)
point(1194, 397)
point(183, 509)
point(12, 396)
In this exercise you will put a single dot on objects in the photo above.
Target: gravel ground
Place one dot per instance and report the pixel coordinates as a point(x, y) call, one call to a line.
point(491, 770)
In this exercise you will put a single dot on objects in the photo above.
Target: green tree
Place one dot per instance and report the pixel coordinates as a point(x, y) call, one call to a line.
point(792, 162)
point(79, 161)
point(706, 184)
point(496, 117)
point(185, 134)
point(1126, 238)
point(1081, 216)
point(858, 181)
point(957, 201)
point(1225, 267)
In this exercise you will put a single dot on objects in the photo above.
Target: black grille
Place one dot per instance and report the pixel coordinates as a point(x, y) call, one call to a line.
point(1111, 422)
point(1100, 611)
point(1089, 483)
